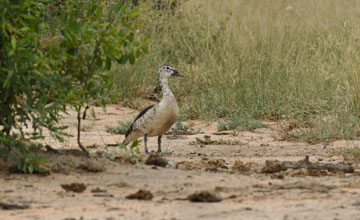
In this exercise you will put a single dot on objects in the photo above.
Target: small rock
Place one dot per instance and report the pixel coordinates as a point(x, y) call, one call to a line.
point(105, 194)
point(13, 205)
point(172, 164)
point(98, 190)
point(204, 196)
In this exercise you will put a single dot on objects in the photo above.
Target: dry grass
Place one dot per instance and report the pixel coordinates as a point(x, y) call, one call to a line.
point(291, 60)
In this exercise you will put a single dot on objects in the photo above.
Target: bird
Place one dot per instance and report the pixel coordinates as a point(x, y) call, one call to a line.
point(156, 119)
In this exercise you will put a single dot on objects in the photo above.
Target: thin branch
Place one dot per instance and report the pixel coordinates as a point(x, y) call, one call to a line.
point(96, 51)
point(96, 55)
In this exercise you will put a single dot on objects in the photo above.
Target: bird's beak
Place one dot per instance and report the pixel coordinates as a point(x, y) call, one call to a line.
point(176, 73)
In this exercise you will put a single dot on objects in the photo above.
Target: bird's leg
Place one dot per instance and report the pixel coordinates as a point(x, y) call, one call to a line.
point(159, 144)
point(145, 142)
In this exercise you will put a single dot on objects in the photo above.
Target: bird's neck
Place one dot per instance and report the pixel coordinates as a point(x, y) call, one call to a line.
point(165, 88)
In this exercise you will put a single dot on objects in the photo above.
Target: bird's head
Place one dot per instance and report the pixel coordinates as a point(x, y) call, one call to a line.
point(165, 71)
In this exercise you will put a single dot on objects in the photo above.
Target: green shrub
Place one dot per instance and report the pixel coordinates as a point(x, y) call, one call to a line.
point(53, 58)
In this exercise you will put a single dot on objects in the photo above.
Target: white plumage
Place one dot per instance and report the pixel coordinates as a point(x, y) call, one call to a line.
point(156, 119)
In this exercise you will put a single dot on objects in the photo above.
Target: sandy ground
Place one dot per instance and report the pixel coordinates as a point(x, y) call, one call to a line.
point(246, 192)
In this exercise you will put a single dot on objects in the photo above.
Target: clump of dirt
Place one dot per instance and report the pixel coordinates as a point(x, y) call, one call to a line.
point(205, 163)
point(141, 195)
point(305, 167)
point(241, 167)
point(91, 167)
point(279, 176)
point(204, 196)
point(157, 160)
point(310, 172)
point(74, 187)
point(271, 166)
point(213, 165)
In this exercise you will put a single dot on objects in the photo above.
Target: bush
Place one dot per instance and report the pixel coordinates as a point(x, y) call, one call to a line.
point(54, 57)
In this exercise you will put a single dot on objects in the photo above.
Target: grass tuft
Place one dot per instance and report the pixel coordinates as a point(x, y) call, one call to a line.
point(240, 124)
point(348, 153)
point(121, 128)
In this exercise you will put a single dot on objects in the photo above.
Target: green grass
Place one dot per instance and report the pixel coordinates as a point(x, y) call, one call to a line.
point(121, 128)
point(348, 153)
point(273, 60)
point(240, 124)
point(182, 128)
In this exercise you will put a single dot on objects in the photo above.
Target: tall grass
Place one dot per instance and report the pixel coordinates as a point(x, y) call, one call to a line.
point(274, 59)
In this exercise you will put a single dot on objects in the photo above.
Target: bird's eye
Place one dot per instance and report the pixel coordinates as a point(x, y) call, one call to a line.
point(167, 67)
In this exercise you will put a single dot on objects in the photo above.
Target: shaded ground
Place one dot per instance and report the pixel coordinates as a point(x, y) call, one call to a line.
point(230, 167)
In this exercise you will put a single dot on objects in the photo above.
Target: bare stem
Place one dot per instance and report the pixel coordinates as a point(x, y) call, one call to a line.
point(96, 55)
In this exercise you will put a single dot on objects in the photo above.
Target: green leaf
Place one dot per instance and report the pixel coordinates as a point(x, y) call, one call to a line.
point(42, 170)
point(98, 13)
point(131, 37)
point(103, 103)
point(8, 79)
point(28, 16)
point(13, 42)
point(137, 53)
point(122, 59)
point(67, 35)
point(92, 10)
point(135, 143)
point(108, 63)
point(117, 6)
point(132, 58)
point(134, 12)
point(40, 160)
point(31, 169)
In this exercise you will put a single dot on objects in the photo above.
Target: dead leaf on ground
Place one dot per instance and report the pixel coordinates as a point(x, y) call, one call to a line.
point(204, 196)
point(141, 195)
point(91, 167)
point(125, 160)
point(74, 187)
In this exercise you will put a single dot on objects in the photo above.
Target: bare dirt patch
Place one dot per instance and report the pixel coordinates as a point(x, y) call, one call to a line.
point(229, 166)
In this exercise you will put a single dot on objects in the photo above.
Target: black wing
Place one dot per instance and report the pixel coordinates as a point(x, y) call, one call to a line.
point(137, 117)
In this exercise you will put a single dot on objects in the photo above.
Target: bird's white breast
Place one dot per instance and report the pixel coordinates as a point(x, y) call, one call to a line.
point(164, 117)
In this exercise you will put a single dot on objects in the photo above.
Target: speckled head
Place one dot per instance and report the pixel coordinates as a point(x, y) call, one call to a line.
point(165, 71)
